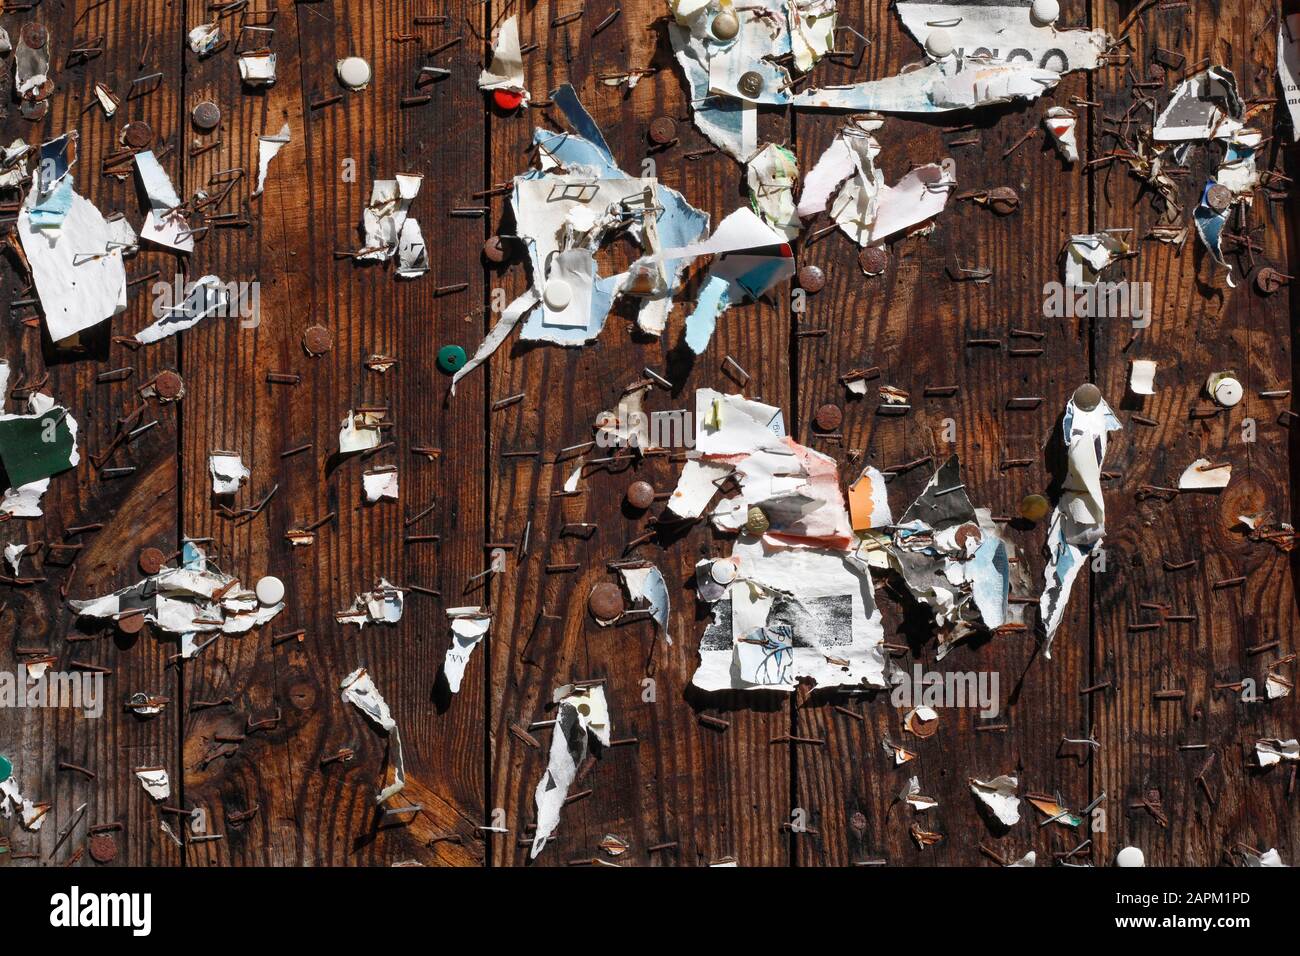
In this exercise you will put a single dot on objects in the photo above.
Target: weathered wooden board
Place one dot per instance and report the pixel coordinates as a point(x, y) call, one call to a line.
point(713, 792)
point(680, 787)
point(137, 510)
point(1199, 326)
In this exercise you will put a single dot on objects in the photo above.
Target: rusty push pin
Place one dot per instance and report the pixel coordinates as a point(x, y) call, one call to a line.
point(640, 495)
point(496, 250)
point(605, 601)
point(663, 131)
point(828, 418)
point(317, 340)
point(812, 279)
point(1268, 280)
point(874, 260)
point(151, 561)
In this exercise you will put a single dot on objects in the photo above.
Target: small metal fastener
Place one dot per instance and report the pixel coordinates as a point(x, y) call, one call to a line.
point(1034, 507)
point(137, 135)
point(756, 521)
point(663, 130)
point(1087, 396)
point(640, 494)
point(496, 250)
point(317, 340)
point(811, 279)
point(206, 116)
point(725, 26)
point(1218, 197)
point(151, 561)
point(1268, 280)
point(606, 601)
point(750, 84)
point(168, 385)
point(103, 848)
point(873, 260)
point(828, 418)
point(34, 36)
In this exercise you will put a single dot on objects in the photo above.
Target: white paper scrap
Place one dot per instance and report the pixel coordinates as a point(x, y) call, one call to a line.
point(999, 795)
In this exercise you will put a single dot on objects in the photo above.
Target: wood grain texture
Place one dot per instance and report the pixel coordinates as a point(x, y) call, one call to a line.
point(681, 791)
point(714, 793)
point(137, 511)
point(1199, 326)
point(915, 324)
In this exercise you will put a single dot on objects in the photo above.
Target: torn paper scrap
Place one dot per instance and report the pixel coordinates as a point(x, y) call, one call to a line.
point(869, 501)
point(915, 798)
point(1088, 255)
point(205, 38)
point(506, 71)
point(185, 600)
point(1079, 519)
point(359, 690)
point(581, 715)
point(1142, 377)
point(228, 473)
point(383, 605)
point(1004, 32)
point(999, 795)
point(11, 798)
point(36, 446)
point(647, 584)
point(77, 269)
point(1203, 475)
point(257, 67)
point(1269, 857)
point(772, 175)
point(1210, 224)
point(1205, 106)
point(360, 431)
point(916, 198)
point(155, 783)
point(851, 153)
point(378, 485)
point(1270, 751)
point(793, 613)
point(384, 217)
point(515, 311)
point(164, 223)
point(1061, 122)
point(953, 83)
point(208, 295)
point(267, 149)
point(696, 487)
point(1288, 68)
point(469, 625)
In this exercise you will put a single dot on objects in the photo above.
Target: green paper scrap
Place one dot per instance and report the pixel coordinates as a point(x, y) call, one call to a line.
point(33, 447)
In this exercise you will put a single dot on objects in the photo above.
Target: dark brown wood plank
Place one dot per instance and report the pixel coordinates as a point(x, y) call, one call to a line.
point(312, 812)
point(714, 793)
point(136, 510)
point(915, 323)
point(1200, 325)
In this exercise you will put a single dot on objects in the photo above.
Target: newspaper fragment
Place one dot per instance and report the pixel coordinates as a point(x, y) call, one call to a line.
point(1079, 519)
point(1004, 32)
point(359, 690)
point(506, 71)
point(469, 625)
point(581, 715)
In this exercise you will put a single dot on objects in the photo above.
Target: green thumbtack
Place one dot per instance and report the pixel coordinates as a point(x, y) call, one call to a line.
point(6, 769)
point(451, 358)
